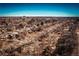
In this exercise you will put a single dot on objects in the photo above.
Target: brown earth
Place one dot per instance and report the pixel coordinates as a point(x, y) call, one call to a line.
point(39, 36)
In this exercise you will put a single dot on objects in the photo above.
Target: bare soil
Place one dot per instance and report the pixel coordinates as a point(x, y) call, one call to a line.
point(39, 36)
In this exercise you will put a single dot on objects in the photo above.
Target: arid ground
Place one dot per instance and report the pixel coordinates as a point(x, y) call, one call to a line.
point(39, 36)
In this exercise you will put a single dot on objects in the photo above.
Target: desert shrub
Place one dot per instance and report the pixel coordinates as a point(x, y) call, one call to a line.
point(17, 35)
point(9, 37)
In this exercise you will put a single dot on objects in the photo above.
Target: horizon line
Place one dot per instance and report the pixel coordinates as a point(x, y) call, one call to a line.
point(38, 16)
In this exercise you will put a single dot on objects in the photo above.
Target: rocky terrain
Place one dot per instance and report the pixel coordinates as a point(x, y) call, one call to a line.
point(39, 36)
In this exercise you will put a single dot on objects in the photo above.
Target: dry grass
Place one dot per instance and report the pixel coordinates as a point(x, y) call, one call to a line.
point(39, 36)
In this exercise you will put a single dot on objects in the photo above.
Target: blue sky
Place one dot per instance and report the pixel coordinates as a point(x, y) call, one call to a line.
point(39, 9)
